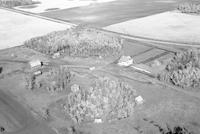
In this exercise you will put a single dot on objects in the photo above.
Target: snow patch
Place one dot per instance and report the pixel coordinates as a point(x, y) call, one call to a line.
point(59, 4)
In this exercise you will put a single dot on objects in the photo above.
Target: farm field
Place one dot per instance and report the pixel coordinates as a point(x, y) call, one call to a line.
point(17, 28)
point(169, 26)
point(109, 13)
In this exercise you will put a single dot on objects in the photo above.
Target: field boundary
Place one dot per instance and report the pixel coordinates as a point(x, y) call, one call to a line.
point(162, 44)
point(38, 16)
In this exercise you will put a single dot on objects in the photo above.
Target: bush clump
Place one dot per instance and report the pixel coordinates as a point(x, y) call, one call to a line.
point(106, 100)
point(175, 130)
point(78, 41)
point(14, 3)
point(30, 81)
point(168, 130)
point(183, 70)
point(189, 8)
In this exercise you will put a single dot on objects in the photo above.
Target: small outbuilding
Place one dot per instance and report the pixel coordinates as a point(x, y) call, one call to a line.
point(35, 63)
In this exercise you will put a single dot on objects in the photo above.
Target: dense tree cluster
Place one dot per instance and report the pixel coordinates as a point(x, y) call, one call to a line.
point(56, 79)
point(78, 41)
point(106, 99)
point(183, 70)
point(189, 8)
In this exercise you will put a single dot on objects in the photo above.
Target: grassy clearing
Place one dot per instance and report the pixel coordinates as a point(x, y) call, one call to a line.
point(192, 8)
point(14, 3)
point(183, 70)
point(78, 41)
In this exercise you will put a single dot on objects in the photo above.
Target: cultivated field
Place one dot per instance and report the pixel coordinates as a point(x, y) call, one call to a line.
point(168, 26)
point(17, 28)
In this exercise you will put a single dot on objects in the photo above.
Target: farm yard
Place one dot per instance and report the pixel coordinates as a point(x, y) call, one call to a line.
point(57, 77)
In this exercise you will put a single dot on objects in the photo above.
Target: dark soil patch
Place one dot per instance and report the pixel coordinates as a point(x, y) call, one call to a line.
point(14, 3)
point(51, 9)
